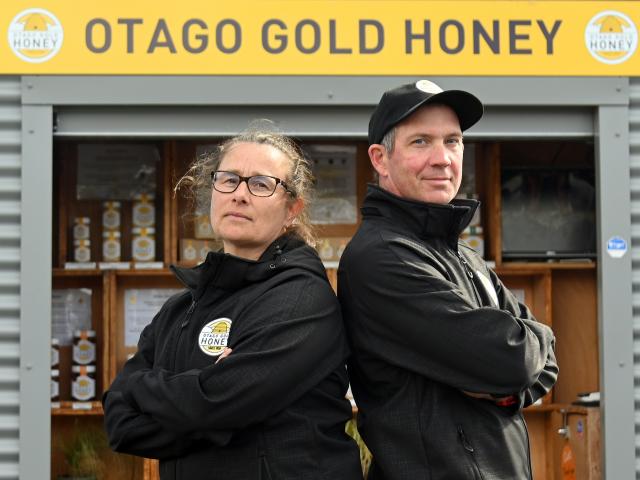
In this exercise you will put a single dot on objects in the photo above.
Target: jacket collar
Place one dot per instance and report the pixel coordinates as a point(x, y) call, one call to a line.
point(229, 272)
point(446, 221)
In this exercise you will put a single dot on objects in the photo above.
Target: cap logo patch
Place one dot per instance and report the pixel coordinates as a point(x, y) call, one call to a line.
point(214, 336)
point(428, 87)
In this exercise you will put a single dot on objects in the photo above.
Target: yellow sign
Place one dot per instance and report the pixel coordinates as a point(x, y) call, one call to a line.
point(331, 37)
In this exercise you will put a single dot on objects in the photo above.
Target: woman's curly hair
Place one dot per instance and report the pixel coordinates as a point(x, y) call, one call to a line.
point(299, 180)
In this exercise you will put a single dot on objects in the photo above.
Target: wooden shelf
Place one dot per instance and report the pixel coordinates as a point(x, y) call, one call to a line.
point(541, 409)
point(542, 266)
point(67, 408)
point(557, 407)
point(81, 272)
point(152, 272)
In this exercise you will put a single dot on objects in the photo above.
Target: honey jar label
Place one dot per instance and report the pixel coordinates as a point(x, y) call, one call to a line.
point(55, 389)
point(83, 388)
point(144, 215)
point(84, 352)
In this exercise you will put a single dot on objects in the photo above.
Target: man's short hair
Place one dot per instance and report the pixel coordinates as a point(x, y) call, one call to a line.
point(389, 140)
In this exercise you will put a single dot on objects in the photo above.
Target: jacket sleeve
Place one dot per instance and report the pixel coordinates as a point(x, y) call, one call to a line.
point(403, 308)
point(129, 430)
point(297, 340)
point(549, 373)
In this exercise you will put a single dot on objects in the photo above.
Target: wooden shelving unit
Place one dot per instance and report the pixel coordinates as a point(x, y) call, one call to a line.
point(560, 294)
point(119, 283)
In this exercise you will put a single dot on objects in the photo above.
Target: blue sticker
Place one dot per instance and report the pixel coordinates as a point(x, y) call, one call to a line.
point(616, 247)
point(580, 427)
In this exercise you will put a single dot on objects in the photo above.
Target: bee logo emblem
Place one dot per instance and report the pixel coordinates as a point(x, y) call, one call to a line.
point(35, 35)
point(611, 37)
point(214, 336)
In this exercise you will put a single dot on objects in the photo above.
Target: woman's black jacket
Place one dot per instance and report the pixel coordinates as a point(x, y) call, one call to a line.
point(273, 409)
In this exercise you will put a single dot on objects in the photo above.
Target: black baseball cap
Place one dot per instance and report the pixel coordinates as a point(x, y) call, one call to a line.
point(400, 102)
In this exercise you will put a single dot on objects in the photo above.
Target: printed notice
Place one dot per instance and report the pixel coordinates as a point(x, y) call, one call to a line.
point(334, 168)
point(116, 171)
point(70, 310)
point(140, 306)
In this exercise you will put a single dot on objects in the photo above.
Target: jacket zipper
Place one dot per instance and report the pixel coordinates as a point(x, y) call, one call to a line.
point(263, 464)
point(466, 266)
point(187, 318)
point(181, 327)
point(470, 450)
point(526, 432)
point(469, 271)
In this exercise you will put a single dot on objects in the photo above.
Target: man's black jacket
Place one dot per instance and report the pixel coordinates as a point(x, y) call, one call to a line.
point(428, 321)
point(273, 409)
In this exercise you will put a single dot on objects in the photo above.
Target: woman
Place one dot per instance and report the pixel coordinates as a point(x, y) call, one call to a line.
point(242, 376)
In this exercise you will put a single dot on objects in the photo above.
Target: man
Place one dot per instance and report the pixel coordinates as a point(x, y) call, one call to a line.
point(444, 357)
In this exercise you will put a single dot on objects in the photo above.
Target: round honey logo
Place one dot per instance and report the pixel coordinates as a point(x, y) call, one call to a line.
point(611, 37)
point(214, 336)
point(35, 35)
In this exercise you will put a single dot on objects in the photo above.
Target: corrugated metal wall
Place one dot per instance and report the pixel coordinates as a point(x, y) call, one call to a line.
point(10, 163)
point(634, 145)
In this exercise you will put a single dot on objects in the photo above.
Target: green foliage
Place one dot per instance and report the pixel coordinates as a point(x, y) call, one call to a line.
point(83, 451)
point(365, 455)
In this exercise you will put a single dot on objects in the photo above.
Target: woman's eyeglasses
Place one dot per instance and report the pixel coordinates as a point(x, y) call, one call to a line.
point(258, 185)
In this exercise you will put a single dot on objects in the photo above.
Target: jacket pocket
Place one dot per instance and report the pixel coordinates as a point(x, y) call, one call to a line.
point(265, 472)
point(470, 452)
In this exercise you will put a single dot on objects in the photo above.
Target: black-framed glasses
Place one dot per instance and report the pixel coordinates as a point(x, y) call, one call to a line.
point(258, 185)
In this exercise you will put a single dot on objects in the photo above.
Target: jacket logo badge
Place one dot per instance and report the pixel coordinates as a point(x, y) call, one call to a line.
point(214, 336)
point(488, 286)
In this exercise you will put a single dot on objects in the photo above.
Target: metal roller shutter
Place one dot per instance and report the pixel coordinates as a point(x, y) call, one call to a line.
point(634, 146)
point(10, 171)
